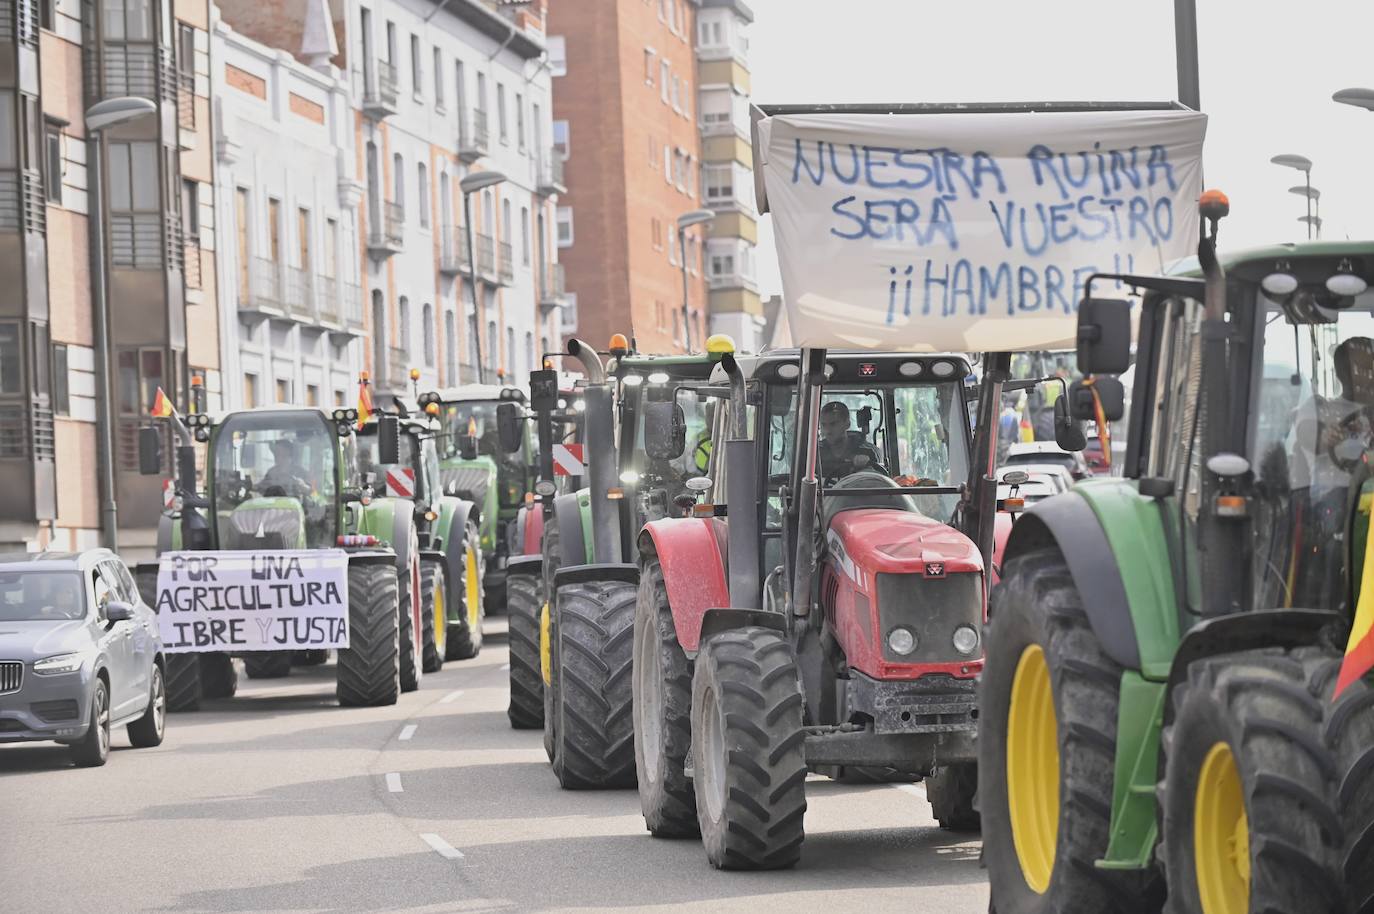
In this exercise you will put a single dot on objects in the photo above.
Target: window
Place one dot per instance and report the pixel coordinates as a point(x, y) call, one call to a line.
point(668, 164)
point(190, 208)
point(525, 235)
point(672, 251)
point(510, 351)
point(686, 99)
point(283, 390)
point(675, 94)
point(9, 134)
point(656, 233)
point(61, 389)
point(186, 50)
point(481, 92)
point(662, 10)
point(404, 329)
point(398, 181)
point(561, 138)
point(128, 20)
point(450, 349)
point(139, 375)
point(529, 351)
point(312, 395)
point(664, 81)
point(416, 74)
point(558, 56)
point(133, 177)
point(47, 14)
point(501, 112)
point(428, 314)
point(438, 79)
point(493, 354)
point(11, 359)
point(303, 237)
point(52, 163)
point(391, 43)
point(460, 91)
point(339, 399)
point(565, 226)
point(331, 248)
point(653, 152)
point(650, 56)
point(273, 230)
point(505, 222)
point(520, 121)
point(241, 216)
point(424, 195)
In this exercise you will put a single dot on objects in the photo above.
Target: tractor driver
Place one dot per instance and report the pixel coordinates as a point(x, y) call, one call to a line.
point(286, 474)
point(843, 450)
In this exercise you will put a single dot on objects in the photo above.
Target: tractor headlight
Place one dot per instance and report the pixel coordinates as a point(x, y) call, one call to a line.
point(965, 639)
point(901, 640)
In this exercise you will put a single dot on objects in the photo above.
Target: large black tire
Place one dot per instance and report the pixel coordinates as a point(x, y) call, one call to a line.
point(663, 712)
point(951, 791)
point(218, 677)
point(548, 628)
point(749, 771)
point(1037, 615)
point(465, 634)
point(148, 730)
point(1350, 734)
point(92, 750)
point(267, 664)
point(1255, 717)
point(183, 680)
point(410, 650)
point(594, 739)
point(310, 657)
point(433, 615)
point(369, 669)
point(526, 709)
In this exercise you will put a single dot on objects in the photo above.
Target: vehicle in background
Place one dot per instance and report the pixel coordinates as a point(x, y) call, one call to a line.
point(1029, 492)
point(1047, 452)
point(80, 654)
point(1055, 475)
point(1097, 461)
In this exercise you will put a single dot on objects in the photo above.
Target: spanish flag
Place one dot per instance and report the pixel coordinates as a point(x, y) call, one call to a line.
point(1359, 650)
point(364, 403)
point(162, 405)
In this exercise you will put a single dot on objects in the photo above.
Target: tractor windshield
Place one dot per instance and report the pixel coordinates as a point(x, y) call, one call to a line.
point(276, 480)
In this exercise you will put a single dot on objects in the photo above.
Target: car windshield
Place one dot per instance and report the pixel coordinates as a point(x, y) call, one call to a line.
point(36, 596)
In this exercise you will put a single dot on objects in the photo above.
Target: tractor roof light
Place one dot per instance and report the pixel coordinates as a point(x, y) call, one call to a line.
point(432, 409)
point(1281, 282)
point(658, 377)
point(364, 376)
point(414, 374)
point(1227, 465)
point(788, 371)
point(910, 369)
point(579, 405)
point(942, 369)
point(629, 477)
point(618, 345)
point(720, 343)
point(632, 380)
point(1344, 281)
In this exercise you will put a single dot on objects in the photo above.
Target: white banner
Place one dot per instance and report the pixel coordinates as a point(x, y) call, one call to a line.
point(252, 601)
point(971, 232)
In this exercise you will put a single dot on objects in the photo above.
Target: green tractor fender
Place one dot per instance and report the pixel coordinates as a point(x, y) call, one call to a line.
point(572, 513)
point(476, 481)
point(449, 533)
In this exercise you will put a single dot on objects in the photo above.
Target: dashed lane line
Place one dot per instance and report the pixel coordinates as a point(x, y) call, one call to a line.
point(505, 666)
point(451, 696)
point(442, 847)
point(393, 782)
point(407, 732)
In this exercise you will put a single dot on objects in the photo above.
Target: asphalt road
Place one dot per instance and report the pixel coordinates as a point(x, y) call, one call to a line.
point(278, 800)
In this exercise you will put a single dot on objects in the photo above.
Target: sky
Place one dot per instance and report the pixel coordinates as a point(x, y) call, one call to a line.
point(1268, 70)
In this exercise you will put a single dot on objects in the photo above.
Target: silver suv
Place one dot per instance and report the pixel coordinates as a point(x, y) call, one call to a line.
point(79, 654)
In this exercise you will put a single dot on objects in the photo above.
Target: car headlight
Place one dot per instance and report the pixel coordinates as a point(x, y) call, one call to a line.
point(62, 663)
point(965, 639)
point(901, 640)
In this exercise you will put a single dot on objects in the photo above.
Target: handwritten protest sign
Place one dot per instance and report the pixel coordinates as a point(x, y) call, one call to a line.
point(253, 601)
point(971, 231)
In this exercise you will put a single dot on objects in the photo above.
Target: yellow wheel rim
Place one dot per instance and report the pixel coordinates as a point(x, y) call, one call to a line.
point(474, 593)
point(440, 617)
point(1221, 835)
point(545, 661)
point(1033, 768)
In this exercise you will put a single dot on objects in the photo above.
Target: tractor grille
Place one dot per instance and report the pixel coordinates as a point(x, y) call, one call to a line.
point(280, 528)
point(11, 676)
point(54, 710)
point(932, 608)
point(469, 482)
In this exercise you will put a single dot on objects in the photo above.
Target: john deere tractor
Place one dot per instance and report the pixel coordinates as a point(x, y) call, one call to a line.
point(288, 479)
point(1161, 723)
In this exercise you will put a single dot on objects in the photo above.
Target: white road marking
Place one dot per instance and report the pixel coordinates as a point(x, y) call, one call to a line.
point(505, 666)
point(407, 732)
point(451, 696)
point(393, 782)
point(916, 790)
point(442, 847)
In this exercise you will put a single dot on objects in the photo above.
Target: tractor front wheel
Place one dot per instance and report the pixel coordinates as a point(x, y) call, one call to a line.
point(369, 669)
point(408, 577)
point(526, 709)
point(951, 792)
point(749, 771)
point(218, 678)
point(183, 670)
point(1249, 797)
point(267, 664)
point(594, 736)
point(1049, 699)
point(433, 615)
point(1350, 734)
point(465, 632)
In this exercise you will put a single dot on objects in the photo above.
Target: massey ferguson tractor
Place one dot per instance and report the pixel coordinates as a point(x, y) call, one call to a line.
point(1176, 707)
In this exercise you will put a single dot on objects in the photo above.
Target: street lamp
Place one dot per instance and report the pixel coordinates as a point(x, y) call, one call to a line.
point(684, 222)
point(1313, 222)
point(469, 185)
point(1315, 197)
point(1304, 165)
point(1359, 98)
point(100, 117)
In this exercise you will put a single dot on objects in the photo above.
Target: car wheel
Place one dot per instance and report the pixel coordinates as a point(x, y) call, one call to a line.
point(148, 730)
point(93, 749)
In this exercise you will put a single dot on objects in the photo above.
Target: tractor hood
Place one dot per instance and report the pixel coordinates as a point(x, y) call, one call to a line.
point(868, 541)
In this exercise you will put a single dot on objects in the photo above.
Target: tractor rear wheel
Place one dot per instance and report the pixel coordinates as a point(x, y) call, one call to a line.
point(1049, 699)
point(183, 670)
point(548, 628)
point(951, 792)
point(218, 677)
point(267, 664)
point(408, 581)
point(369, 669)
point(1249, 787)
point(663, 712)
point(749, 771)
point(526, 709)
point(1350, 734)
point(465, 634)
point(433, 615)
point(594, 739)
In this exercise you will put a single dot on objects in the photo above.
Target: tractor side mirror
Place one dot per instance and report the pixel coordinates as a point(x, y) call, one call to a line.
point(388, 440)
point(665, 429)
point(509, 425)
point(1110, 391)
point(1104, 336)
point(544, 390)
point(467, 447)
point(150, 450)
point(1067, 434)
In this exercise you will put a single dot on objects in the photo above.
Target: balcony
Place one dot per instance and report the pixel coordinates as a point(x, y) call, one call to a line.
point(328, 302)
point(472, 135)
point(353, 307)
point(730, 280)
point(551, 287)
point(397, 370)
point(453, 251)
point(386, 230)
point(264, 294)
point(505, 264)
point(486, 257)
point(186, 101)
point(192, 272)
point(550, 177)
point(381, 90)
point(300, 294)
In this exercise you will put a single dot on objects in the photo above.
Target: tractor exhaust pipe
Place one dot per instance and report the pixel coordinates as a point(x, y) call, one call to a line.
point(805, 483)
point(590, 359)
point(741, 496)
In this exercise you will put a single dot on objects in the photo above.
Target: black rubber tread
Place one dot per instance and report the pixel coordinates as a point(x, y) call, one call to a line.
point(144, 733)
point(410, 659)
point(553, 556)
point(748, 676)
point(1349, 731)
point(1268, 706)
point(665, 791)
point(463, 642)
point(267, 664)
point(87, 752)
point(951, 791)
point(432, 657)
point(595, 735)
point(1037, 603)
point(183, 681)
point(369, 669)
point(218, 676)
point(526, 709)
point(309, 657)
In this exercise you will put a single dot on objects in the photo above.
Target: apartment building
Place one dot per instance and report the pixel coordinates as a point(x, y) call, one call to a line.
point(625, 109)
point(57, 58)
point(287, 204)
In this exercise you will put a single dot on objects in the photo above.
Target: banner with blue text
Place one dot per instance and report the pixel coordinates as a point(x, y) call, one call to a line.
point(974, 231)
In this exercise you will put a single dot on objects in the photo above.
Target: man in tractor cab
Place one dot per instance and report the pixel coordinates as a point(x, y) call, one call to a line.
point(286, 474)
point(843, 450)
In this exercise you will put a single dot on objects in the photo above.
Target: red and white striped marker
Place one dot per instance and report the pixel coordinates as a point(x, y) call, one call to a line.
point(400, 482)
point(567, 460)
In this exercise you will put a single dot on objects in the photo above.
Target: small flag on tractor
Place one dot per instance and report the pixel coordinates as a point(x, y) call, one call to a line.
point(472, 426)
point(162, 405)
point(1359, 650)
point(364, 402)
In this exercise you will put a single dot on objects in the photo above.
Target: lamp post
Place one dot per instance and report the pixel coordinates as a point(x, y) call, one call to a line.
point(1304, 165)
point(1313, 222)
point(469, 185)
point(100, 117)
point(1314, 198)
point(684, 222)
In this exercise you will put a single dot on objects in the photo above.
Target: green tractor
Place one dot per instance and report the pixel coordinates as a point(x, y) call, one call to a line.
point(1160, 719)
point(590, 570)
point(288, 479)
